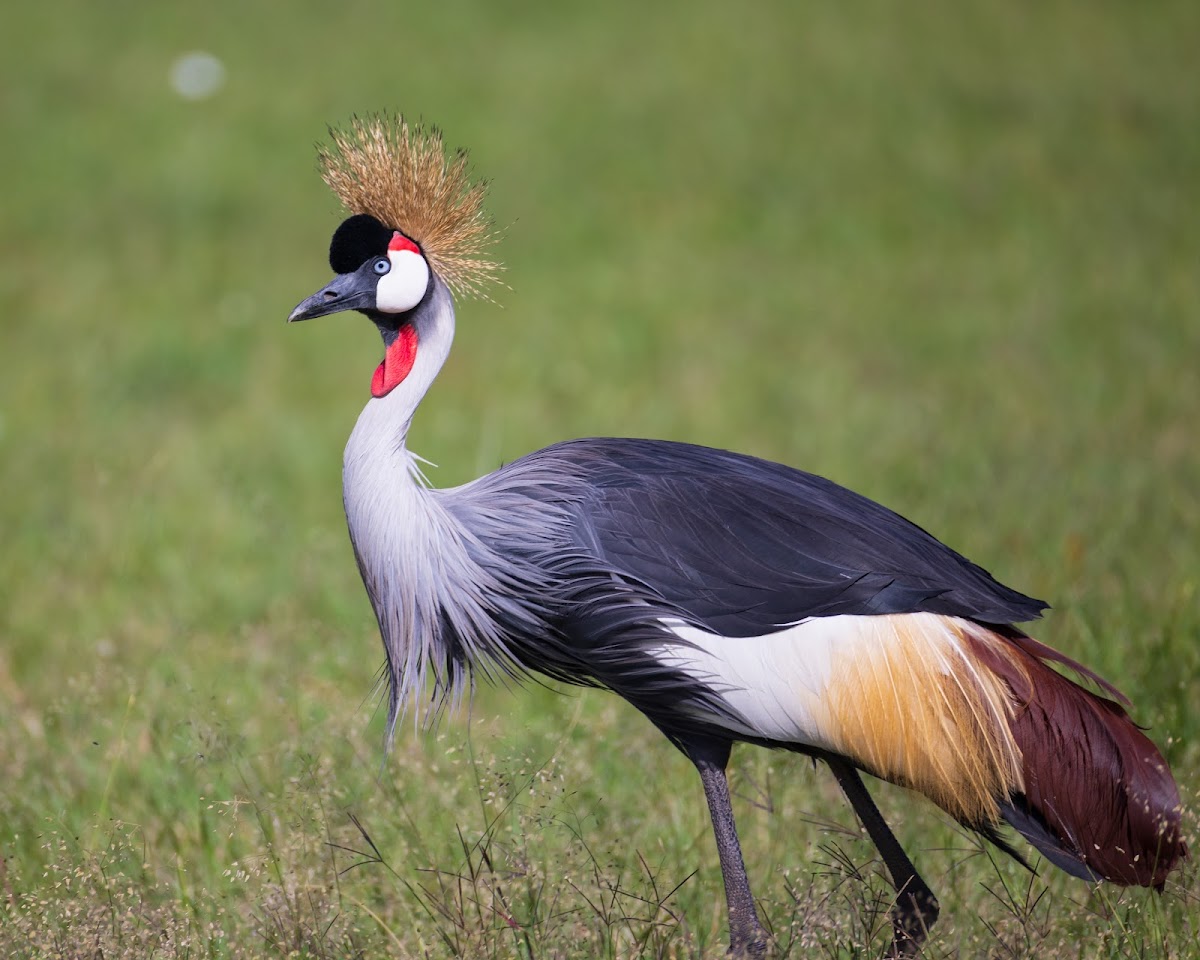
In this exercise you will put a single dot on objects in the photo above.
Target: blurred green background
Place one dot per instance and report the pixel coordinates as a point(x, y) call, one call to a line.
point(945, 254)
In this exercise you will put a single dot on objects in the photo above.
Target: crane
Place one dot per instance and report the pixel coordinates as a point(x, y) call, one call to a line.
point(728, 598)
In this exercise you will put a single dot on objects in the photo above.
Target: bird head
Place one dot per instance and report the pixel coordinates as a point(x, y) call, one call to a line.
point(416, 219)
point(380, 272)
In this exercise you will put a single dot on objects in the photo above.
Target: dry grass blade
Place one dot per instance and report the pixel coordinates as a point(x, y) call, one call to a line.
point(403, 176)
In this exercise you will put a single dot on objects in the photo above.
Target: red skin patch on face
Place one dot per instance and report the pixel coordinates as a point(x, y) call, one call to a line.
point(398, 362)
point(400, 242)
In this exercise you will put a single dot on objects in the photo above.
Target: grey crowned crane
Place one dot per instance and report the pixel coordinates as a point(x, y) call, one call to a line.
point(727, 598)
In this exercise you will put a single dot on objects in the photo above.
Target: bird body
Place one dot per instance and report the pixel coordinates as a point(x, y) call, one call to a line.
point(726, 597)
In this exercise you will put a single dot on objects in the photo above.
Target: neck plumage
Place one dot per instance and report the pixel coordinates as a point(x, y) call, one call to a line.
point(384, 422)
point(411, 549)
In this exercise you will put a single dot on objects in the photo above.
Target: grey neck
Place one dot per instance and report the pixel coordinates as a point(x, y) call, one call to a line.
point(411, 549)
point(385, 420)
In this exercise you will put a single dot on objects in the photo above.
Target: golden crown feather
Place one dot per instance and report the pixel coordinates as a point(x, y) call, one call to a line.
point(403, 176)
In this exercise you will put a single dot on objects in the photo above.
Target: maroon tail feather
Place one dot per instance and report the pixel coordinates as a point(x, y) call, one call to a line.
point(1094, 783)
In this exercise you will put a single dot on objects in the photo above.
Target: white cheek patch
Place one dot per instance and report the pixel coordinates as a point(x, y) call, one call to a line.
point(404, 286)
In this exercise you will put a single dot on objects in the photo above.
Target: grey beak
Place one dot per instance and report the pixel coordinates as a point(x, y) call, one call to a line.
point(346, 291)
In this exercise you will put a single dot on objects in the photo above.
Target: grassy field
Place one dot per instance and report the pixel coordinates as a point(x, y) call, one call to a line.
point(945, 254)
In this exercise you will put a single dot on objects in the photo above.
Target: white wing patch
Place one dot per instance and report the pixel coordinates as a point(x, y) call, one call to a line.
point(902, 694)
point(777, 683)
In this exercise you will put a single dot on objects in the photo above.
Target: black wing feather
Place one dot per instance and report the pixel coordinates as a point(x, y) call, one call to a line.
point(745, 545)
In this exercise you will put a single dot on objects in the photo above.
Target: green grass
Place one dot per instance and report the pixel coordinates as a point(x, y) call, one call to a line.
point(945, 254)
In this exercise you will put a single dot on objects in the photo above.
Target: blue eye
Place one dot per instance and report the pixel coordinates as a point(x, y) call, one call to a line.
point(382, 266)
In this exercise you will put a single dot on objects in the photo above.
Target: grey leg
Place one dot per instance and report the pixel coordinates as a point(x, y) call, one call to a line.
point(916, 908)
point(747, 936)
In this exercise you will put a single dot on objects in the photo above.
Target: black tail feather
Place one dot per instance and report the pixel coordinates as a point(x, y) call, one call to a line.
point(1031, 827)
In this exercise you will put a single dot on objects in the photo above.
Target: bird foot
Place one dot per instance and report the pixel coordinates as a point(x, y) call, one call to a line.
point(749, 942)
point(915, 912)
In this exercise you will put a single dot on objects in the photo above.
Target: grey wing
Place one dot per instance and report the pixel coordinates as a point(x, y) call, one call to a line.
point(745, 545)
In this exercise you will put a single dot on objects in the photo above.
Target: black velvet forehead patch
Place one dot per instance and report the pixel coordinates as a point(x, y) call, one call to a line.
point(356, 241)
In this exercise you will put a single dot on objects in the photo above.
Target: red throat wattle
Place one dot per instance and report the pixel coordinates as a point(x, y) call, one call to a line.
point(398, 362)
